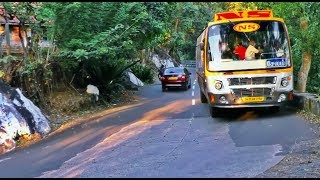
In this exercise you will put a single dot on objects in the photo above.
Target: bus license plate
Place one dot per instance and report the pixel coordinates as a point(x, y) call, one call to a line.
point(252, 99)
point(276, 62)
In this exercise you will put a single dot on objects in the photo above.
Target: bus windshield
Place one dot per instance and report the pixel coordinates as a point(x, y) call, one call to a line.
point(248, 45)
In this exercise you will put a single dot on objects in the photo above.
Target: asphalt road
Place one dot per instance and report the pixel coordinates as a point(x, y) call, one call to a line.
point(166, 134)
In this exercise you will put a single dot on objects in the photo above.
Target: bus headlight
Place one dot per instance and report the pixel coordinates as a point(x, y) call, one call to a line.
point(218, 85)
point(285, 81)
point(282, 97)
point(223, 100)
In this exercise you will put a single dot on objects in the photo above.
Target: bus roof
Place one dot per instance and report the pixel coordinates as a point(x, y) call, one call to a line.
point(248, 15)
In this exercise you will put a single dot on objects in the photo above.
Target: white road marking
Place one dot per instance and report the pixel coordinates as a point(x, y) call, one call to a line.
point(1, 160)
point(192, 93)
point(193, 101)
point(192, 118)
point(194, 82)
point(193, 87)
point(45, 147)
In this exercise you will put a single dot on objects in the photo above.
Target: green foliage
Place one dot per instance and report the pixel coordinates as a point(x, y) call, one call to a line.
point(99, 39)
point(1, 74)
point(184, 22)
point(8, 59)
point(104, 41)
point(143, 72)
point(100, 72)
point(304, 40)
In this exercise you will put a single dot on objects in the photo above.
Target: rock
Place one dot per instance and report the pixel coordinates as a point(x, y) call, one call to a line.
point(130, 81)
point(18, 117)
point(91, 89)
point(6, 142)
point(24, 105)
point(11, 120)
point(134, 79)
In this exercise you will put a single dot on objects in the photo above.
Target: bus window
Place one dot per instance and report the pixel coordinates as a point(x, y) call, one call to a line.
point(223, 38)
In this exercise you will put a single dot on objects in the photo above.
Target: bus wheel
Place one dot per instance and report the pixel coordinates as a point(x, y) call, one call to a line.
point(214, 112)
point(274, 109)
point(203, 97)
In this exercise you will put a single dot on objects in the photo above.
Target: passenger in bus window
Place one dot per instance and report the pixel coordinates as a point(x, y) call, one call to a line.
point(226, 52)
point(240, 50)
point(279, 52)
point(251, 50)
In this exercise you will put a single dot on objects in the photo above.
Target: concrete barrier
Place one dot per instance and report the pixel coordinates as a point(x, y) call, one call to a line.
point(189, 63)
point(306, 101)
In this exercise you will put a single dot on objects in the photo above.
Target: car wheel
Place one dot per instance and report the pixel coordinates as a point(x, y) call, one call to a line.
point(185, 87)
point(189, 85)
point(163, 88)
point(203, 97)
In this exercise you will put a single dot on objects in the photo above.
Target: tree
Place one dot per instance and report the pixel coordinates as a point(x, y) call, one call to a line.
point(305, 46)
point(303, 31)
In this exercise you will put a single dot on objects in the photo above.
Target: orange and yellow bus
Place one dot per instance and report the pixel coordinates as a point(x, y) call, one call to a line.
point(243, 59)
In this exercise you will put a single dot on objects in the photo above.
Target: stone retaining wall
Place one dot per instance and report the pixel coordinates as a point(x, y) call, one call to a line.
point(306, 101)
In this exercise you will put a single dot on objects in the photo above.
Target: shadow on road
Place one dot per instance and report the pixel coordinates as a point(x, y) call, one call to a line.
point(245, 114)
point(175, 90)
point(260, 126)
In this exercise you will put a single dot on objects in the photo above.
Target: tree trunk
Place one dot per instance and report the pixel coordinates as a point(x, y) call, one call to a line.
point(10, 68)
point(176, 25)
point(7, 66)
point(306, 60)
point(25, 52)
point(143, 56)
point(7, 34)
point(1, 40)
point(304, 71)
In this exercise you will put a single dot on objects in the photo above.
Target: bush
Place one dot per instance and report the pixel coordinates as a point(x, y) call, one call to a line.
point(144, 73)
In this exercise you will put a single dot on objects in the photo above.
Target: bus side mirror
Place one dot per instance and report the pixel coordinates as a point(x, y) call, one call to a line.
point(201, 46)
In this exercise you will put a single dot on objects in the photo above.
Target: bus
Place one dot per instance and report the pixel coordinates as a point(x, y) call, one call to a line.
point(243, 60)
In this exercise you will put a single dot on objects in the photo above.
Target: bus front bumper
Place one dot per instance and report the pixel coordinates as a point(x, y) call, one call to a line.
point(230, 101)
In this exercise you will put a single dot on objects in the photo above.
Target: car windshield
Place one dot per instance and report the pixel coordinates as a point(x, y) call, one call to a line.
point(173, 71)
point(248, 45)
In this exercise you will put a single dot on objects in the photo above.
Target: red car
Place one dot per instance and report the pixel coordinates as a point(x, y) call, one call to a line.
point(176, 77)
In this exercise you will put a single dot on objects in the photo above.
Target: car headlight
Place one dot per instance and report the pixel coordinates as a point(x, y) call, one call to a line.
point(218, 85)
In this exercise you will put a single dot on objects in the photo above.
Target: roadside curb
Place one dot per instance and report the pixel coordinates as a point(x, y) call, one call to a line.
point(306, 101)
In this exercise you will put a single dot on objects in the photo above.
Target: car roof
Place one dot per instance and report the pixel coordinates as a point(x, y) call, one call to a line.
point(174, 70)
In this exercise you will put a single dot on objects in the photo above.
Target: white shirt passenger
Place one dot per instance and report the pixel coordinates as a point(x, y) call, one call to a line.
point(250, 52)
point(280, 52)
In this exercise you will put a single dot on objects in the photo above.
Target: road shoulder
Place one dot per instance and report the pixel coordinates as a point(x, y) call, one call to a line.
point(304, 159)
